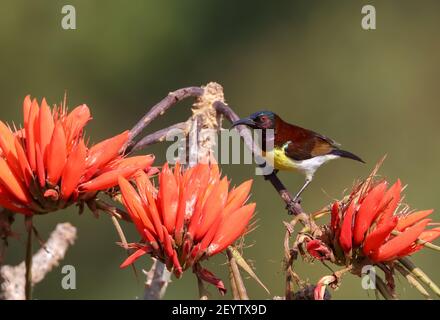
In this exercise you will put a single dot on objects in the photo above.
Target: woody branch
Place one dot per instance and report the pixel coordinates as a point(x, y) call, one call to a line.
point(208, 111)
point(47, 258)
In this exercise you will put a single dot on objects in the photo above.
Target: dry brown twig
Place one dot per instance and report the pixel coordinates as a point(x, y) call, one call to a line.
point(208, 111)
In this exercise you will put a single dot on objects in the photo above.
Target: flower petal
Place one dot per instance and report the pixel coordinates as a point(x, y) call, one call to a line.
point(367, 212)
point(46, 126)
point(231, 228)
point(135, 208)
point(390, 201)
point(41, 174)
point(136, 255)
point(139, 162)
point(317, 249)
point(192, 186)
point(30, 129)
point(26, 171)
point(209, 277)
point(107, 180)
point(73, 170)
point(169, 197)
point(391, 249)
point(7, 201)
point(12, 183)
point(412, 218)
point(237, 197)
point(7, 140)
point(56, 155)
point(428, 236)
point(105, 151)
point(378, 236)
point(213, 208)
point(345, 238)
point(335, 218)
point(75, 122)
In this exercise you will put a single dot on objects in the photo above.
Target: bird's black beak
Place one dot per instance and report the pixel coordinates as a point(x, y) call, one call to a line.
point(245, 121)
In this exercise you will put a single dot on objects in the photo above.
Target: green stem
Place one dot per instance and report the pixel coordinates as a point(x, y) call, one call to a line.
point(383, 289)
point(412, 280)
point(419, 274)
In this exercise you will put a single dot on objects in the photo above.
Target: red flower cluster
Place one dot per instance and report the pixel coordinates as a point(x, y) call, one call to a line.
point(192, 216)
point(47, 166)
point(372, 224)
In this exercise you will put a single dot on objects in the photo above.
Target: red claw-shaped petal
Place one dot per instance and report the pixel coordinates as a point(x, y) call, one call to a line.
point(105, 151)
point(75, 123)
point(390, 201)
point(136, 255)
point(135, 207)
point(377, 237)
point(169, 197)
point(393, 248)
point(412, 218)
point(12, 183)
point(335, 218)
point(31, 127)
point(209, 277)
point(213, 207)
point(231, 228)
point(57, 155)
point(345, 238)
point(368, 212)
point(107, 180)
point(73, 170)
point(46, 126)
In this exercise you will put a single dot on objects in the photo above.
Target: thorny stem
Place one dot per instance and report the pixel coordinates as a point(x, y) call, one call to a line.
point(236, 276)
point(160, 108)
point(28, 260)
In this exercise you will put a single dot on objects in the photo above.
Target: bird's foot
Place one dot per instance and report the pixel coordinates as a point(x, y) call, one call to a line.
point(294, 206)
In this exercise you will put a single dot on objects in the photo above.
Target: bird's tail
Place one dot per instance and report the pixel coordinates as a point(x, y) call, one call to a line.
point(346, 154)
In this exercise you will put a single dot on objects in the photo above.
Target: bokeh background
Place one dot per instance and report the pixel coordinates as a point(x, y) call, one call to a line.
point(376, 92)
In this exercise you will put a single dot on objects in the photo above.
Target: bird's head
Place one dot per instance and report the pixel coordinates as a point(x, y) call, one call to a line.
point(258, 120)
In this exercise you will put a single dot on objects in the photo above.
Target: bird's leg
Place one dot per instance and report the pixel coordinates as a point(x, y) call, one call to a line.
point(296, 198)
point(267, 176)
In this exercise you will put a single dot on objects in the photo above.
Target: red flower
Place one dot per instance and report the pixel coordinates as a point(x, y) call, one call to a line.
point(191, 217)
point(47, 165)
point(365, 224)
point(318, 250)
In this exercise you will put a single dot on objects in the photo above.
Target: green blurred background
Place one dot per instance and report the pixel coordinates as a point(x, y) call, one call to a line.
point(376, 92)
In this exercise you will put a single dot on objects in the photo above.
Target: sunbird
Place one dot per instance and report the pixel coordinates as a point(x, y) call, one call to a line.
point(294, 148)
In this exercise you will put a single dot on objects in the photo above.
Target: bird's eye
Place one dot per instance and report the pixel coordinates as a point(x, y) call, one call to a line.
point(263, 118)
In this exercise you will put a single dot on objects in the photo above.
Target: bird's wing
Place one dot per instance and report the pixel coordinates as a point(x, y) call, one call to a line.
point(303, 149)
point(327, 139)
point(302, 144)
